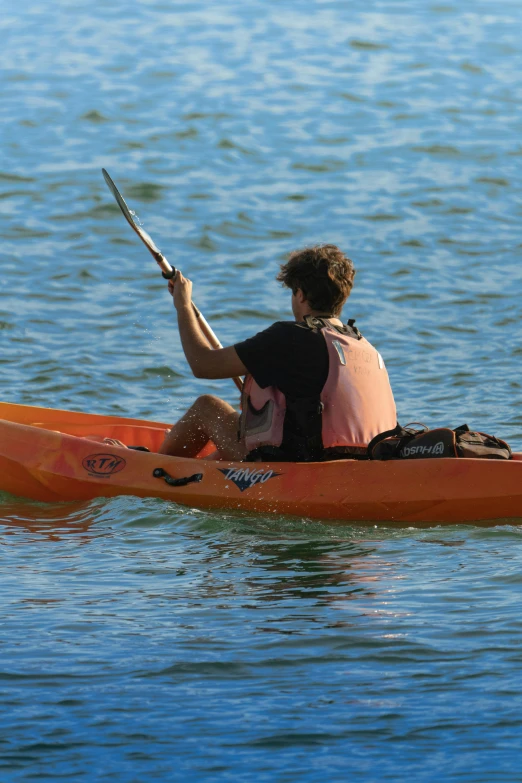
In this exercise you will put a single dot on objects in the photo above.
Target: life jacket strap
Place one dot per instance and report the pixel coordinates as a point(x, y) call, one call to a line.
point(320, 321)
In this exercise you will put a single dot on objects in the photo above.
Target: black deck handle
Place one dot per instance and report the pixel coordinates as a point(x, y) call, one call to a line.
point(176, 482)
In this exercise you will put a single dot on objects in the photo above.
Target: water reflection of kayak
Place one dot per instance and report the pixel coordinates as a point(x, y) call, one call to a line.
point(51, 455)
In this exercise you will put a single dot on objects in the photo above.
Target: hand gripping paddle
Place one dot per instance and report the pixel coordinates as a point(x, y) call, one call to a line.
point(166, 269)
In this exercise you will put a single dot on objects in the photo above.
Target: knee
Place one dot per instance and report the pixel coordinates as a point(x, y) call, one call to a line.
point(207, 402)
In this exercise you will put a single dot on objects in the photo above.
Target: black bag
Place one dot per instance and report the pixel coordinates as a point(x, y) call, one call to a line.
point(409, 443)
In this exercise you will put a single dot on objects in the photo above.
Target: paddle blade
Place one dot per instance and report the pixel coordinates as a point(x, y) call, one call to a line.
point(130, 216)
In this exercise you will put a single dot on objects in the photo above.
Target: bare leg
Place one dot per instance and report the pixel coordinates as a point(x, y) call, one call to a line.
point(209, 418)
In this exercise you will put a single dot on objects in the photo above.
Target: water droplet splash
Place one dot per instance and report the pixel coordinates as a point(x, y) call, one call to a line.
point(135, 217)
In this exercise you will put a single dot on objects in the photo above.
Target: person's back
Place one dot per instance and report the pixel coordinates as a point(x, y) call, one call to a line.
point(314, 389)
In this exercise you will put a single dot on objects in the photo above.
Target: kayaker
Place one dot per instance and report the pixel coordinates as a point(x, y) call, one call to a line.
point(314, 388)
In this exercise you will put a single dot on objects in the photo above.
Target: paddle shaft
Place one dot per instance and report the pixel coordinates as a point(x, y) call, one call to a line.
point(167, 271)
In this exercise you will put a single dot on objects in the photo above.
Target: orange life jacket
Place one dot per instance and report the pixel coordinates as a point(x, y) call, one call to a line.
point(356, 403)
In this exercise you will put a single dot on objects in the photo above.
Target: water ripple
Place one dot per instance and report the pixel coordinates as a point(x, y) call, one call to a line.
point(145, 641)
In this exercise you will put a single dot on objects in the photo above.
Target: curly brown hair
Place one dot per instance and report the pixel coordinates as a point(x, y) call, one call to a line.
point(324, 275)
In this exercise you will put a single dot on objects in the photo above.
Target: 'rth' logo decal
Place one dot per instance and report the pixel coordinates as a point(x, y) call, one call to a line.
point(244, 478)
point(103, 465)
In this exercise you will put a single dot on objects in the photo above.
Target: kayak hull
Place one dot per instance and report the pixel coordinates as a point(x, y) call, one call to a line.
point(51, 455)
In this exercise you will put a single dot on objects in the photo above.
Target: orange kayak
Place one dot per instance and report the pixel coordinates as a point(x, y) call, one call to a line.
point(53, 455)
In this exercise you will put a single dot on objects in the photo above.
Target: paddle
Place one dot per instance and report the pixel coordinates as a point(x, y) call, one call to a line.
point(166, 269)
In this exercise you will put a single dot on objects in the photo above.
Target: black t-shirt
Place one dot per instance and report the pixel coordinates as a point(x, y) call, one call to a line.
point(291, 357)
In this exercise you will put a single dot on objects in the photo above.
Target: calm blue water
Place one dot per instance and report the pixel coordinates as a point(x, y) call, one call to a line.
point(141, 641)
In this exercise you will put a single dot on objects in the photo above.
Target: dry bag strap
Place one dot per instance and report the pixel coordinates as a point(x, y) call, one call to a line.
point(403, 435)
point(397, 431)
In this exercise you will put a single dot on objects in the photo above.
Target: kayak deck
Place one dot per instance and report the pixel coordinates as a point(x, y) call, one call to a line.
point(51, 455)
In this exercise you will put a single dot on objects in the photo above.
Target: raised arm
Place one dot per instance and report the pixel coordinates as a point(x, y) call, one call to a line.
point(204, 361)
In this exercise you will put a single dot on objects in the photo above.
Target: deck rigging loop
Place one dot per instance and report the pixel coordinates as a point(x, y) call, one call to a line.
point(176, 482)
